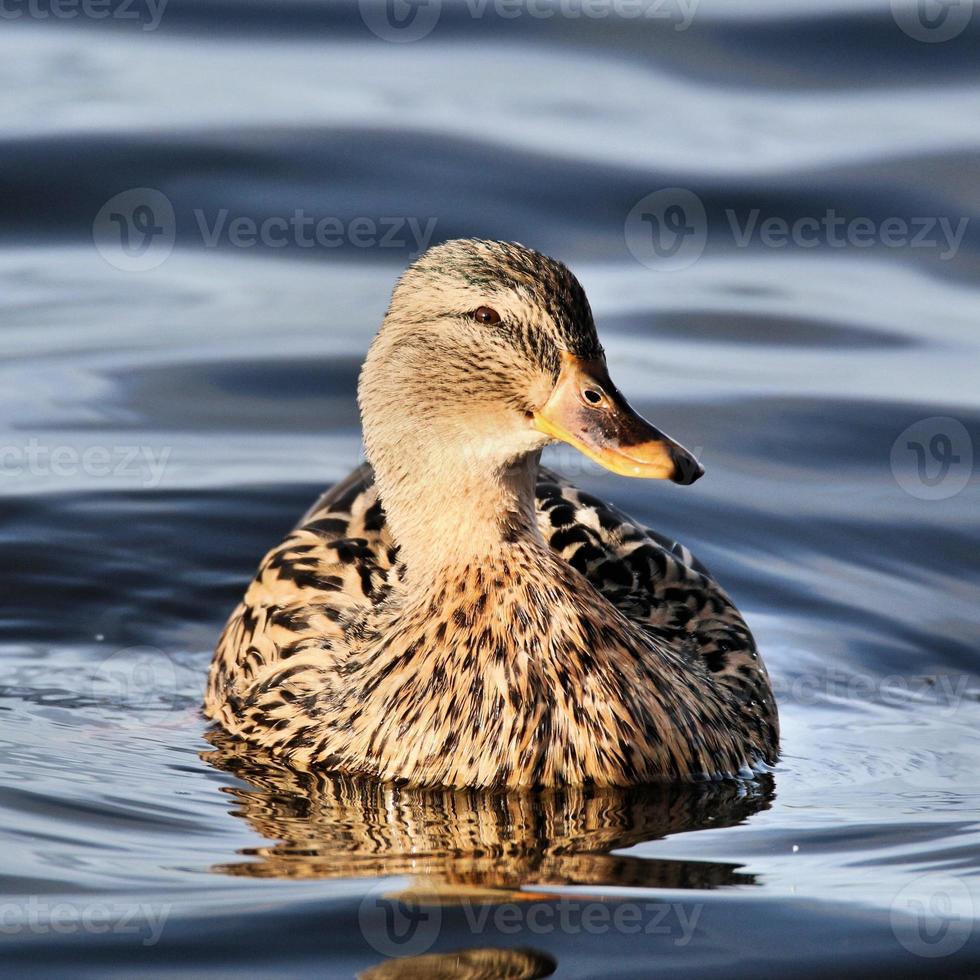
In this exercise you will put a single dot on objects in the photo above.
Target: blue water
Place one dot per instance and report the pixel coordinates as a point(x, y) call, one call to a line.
point(169, 409)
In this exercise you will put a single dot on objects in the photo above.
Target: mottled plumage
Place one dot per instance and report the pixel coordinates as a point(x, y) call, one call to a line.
point(457, 616)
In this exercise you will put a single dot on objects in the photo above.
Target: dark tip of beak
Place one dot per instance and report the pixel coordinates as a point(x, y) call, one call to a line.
point(686, 468)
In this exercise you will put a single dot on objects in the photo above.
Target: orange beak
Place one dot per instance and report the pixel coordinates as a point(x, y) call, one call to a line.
point(587, 411)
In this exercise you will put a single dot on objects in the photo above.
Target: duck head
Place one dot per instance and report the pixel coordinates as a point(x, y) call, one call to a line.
point(487, 353)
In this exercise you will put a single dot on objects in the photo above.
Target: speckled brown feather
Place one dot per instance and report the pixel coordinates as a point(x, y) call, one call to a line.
point(435, 695)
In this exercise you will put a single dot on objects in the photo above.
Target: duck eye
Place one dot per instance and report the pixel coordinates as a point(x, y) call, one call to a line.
point(591, 395)
point(483, 314)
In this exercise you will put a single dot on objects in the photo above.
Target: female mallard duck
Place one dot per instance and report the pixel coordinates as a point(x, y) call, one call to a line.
point(454, 615)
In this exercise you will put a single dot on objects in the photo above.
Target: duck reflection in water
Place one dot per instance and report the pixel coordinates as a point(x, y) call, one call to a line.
point(474, 846)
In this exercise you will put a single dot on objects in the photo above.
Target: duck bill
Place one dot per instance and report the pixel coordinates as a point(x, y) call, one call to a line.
point(587, 411)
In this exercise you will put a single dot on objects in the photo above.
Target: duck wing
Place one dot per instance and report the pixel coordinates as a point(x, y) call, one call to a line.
point(287, 635)
point(657, 584)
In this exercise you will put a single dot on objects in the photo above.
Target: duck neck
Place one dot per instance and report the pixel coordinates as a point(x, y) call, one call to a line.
point(449, 520)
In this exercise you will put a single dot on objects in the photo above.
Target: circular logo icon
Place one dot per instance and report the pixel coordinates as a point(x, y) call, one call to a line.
point(933, 458)
point(138, 682)
point(397, 925)
point(932, 21)
point(932, 916)
point(135, 230)
point(668, 229)
point(400, 21)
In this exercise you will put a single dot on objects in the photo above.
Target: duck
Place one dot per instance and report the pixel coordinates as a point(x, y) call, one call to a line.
point(454, 614)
